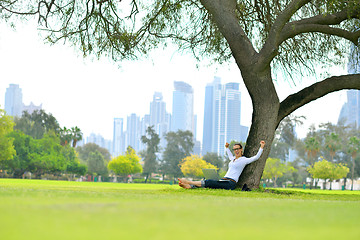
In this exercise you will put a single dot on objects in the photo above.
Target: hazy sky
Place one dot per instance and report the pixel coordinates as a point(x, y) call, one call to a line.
point(90, 93)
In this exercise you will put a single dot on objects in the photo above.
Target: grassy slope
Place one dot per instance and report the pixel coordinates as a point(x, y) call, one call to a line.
point(34, 209)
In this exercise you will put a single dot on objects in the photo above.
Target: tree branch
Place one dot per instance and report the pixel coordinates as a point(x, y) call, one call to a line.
point(317, 90)
point(351, 36)
point(224, 15)
point(321, 24)
point(271, 46)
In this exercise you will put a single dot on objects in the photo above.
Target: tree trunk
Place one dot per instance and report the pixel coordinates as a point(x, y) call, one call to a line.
point(264, 123)
point(275, 179)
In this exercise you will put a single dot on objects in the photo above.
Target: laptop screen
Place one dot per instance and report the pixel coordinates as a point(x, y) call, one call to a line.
point(210, 173)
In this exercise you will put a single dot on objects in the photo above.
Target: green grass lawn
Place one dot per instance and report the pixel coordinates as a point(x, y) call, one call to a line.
point(35, 209)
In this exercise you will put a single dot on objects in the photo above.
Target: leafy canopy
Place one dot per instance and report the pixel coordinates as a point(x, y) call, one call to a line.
point(327, 170)
point(124, 165)
point(7, 150)
point(125, 29)
point(192, 166)
point(274, 169)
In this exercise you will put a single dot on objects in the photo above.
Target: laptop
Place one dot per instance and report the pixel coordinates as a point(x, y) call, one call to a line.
point(210, 173)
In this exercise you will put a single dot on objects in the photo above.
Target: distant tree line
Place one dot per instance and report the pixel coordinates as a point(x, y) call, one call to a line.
point(36, 143)
point(329, 149)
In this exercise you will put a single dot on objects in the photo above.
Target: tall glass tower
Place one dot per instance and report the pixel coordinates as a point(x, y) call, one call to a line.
point(157, 109)
point(232, 112)
point(133, 132)
point(13, 100)
point(222, 111)
point(183, 108)
point(159, 118)
point(211, 115)
point(350, 112)
point(118, 137)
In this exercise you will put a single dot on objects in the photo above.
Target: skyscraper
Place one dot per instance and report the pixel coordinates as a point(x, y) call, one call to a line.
point(183, 108)
point(210, 118)
point(144, 124)
point(13, 100)
point(350, 112)
point(157, 109)
point(14, 105)
point(133, 132)
point(118, 137)
point(159, 118)
point(222, 111)
point(232, 112)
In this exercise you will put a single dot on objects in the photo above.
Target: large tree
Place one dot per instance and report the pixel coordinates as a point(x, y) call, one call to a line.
point(37, 123)
point(96, 164)
point(151, 140)
point(85, 151)
point(262, 36)
point(179, 145)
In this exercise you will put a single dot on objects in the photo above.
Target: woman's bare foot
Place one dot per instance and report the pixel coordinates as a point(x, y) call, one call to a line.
point(184, 180)
point(184, 185)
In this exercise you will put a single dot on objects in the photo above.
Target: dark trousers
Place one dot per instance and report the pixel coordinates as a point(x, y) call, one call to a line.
point(227, 184)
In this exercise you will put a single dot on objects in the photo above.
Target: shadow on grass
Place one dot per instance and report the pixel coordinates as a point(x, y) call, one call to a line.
point(272, 193)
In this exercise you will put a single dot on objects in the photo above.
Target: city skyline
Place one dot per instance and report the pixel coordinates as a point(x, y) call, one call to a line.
point(90, 93)
point(222, 99)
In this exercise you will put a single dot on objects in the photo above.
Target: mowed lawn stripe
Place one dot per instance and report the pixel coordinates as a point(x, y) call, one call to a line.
point(35, 209)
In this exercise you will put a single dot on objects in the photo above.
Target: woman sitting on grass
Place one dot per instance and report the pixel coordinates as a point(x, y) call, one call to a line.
point(236, 166)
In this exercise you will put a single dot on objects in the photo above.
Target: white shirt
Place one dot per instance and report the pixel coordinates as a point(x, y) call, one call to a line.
point(236, 167)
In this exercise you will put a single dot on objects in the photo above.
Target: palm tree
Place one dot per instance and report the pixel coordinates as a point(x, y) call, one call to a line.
point(312, 148)
point(332, 143)
point(354, 148)
point(76, 135)
point(65, 136)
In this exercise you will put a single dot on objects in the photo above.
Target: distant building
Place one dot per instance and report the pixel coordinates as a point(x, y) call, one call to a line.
point(14, 105)
point(183, 117)
point(133, 132)
point(197, 148)
point(183, 108)
point(118, 137)
point(157, 109)
point(350, 112)
point(100, 141)
point(31, 108)
point(222, 116)
point(13, 100)
point(144, 124)
point(159, 118)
